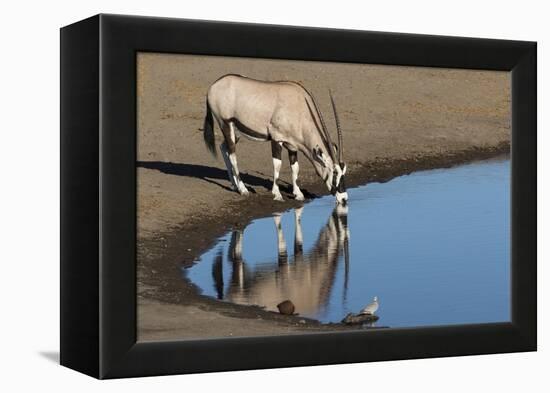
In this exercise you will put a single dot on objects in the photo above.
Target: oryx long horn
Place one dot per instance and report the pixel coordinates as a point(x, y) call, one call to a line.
point(340, 139)
point(323, 125)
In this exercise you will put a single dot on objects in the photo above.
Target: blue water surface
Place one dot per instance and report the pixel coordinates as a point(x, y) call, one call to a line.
point(433, 246)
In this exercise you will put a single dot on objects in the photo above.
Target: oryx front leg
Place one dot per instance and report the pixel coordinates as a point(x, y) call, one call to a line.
point(276, 149)
point(293, 158)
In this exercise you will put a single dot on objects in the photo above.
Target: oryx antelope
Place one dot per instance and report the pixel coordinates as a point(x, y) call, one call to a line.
point(283, 113)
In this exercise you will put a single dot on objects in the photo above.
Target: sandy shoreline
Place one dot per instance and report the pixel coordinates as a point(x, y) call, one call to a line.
point(396, 120)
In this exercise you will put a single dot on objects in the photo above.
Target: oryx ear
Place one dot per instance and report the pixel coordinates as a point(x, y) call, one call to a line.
point(318, 154)
point(335, 147)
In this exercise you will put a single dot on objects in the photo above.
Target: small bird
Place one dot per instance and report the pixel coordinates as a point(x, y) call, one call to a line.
point(370, 308)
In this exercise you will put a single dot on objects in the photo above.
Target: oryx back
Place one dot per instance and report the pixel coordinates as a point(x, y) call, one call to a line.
point(264, 110)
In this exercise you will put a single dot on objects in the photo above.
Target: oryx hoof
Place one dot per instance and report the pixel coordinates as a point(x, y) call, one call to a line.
point(299, 197)
point(278, 197)
point(242, 189)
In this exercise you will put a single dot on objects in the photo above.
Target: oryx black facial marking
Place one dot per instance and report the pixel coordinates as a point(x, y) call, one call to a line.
point(341, 185)
point(285, 114)
point(338, 184)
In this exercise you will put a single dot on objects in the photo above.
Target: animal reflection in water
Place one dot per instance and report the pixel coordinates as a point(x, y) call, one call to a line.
point(305, 278)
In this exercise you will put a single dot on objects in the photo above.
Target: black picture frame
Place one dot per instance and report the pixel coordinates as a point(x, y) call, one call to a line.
point(98, 195)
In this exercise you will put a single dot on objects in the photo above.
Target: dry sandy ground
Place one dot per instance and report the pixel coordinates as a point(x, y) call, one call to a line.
point(158, 316)
point(395, 120)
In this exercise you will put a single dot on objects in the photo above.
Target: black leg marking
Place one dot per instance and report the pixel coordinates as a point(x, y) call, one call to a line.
point(276, 150)
point(292, 156)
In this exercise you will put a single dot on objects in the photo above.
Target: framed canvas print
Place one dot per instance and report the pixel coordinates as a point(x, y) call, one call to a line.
point(239, 196)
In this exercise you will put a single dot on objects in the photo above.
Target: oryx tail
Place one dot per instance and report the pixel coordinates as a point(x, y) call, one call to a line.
point(209, 136)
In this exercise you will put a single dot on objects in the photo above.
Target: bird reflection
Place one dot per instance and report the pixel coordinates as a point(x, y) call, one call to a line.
point(306, 278)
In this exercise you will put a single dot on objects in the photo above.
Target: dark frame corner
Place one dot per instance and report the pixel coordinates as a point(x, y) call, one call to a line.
point(98, 183)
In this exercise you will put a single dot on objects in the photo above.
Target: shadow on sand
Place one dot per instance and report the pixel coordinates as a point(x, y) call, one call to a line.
point(52, 356)
point(212, 174)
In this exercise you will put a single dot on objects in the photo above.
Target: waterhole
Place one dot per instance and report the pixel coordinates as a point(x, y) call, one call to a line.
point(432, 246)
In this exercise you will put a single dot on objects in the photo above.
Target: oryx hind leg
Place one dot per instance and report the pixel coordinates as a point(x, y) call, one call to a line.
point(225, 155)
point(295, 167)
point(276, 150)
point(230, 152)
